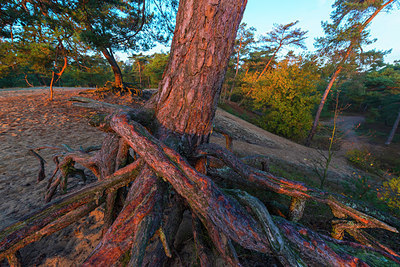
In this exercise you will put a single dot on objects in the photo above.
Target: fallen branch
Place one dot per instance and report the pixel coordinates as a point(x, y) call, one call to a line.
point(41, 174)
point(14, 237)
point(254, 177)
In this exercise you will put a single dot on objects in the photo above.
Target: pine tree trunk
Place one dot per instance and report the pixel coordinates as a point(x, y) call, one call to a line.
point(323, 99)
point(393, 131)
point(201, 47)
point(114, 66)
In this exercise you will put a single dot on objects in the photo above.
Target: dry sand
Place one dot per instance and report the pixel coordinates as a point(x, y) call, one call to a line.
point(28, 120)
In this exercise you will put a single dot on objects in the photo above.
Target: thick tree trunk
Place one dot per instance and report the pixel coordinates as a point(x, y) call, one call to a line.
point(185, 106)
point(393, 131)
point(337, 72)
point(202, 44)
point(114, 66)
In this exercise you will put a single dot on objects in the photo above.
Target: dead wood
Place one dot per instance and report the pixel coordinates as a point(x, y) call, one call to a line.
point(41, 174)
point(256, 178)
point(28, 229)
point(98, 105)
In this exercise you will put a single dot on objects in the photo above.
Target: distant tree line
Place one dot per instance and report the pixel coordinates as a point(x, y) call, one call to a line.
point(73, 43)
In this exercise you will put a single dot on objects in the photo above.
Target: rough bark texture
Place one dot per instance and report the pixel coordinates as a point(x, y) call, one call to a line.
point(28, 230)
point(139, 212)
point(200, 51)
point(144, 231)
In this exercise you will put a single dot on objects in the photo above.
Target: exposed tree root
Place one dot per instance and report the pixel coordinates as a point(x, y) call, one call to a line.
point(28, 229)
point(137, 222)
point(142, 233)
point(202, 252)
point(253, 177)
point(41, 174)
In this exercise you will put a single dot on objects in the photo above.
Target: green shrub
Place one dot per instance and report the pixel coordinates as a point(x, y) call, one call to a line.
point(390, 193)
point(286, 95)
point(363, 160)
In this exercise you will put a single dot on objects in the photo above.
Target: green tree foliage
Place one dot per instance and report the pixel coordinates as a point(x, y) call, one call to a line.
point(286, 95)
point(106, 26)
point(244, 44)
point(155, 68)
point(344, 38)
point(280, 37)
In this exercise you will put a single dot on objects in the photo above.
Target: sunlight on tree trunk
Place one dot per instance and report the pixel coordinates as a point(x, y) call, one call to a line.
point(114, 66)
point(393, 131)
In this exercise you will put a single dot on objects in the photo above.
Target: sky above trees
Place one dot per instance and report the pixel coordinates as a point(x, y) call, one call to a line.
point(263, 14)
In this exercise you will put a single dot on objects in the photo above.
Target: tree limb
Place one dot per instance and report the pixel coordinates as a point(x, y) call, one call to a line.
point(255, 177)
point(13, 236)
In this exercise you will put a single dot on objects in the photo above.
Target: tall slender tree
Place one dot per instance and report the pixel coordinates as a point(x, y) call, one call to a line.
point(344, 36)
point(280, 37)
point(394, 129)
point(244, 41)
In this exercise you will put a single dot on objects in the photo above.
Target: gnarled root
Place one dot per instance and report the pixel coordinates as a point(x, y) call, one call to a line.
point(30, 229)
point(143, 232)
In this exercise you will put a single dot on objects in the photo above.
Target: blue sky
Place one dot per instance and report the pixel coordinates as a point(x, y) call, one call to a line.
point(262, 14)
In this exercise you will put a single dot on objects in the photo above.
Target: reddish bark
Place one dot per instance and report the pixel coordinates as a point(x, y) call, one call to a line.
point(203, 40)
point(257, 178)
point(20, 234)
point(185, 107)
point(114, 66)
point(138, 212)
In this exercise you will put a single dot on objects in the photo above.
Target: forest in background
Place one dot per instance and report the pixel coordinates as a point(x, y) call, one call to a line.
point(272, 80)
point(265, 76)
point(268, 81)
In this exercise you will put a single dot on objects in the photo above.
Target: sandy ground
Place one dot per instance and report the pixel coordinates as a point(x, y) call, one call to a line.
point(250, 139)
point(28, 120)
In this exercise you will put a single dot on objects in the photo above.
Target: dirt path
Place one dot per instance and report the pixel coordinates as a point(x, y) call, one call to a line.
point(350, 139)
